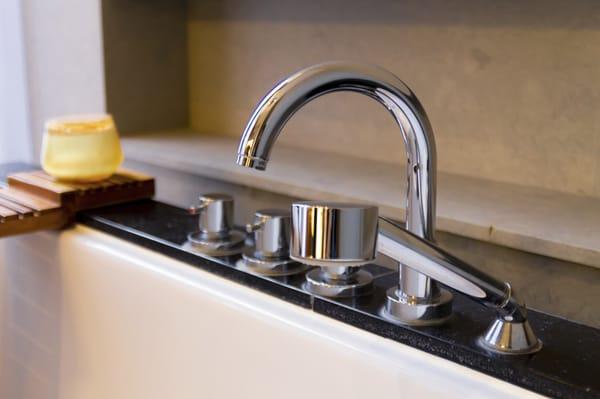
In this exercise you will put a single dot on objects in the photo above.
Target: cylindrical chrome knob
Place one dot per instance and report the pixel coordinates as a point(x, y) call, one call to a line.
point(332, 234)
point(271, 229)
point(339, 238)
point(270, 254)
point(216, 215)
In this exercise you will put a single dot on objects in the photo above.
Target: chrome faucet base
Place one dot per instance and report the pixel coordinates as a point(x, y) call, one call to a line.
point(287, 97)
point(269, 267)
point(334, 236)
point(232, 244)
point(401, 309)
point(350, 282)
point(508, 337)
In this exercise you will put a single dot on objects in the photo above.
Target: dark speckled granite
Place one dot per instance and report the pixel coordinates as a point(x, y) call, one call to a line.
point(567, 366)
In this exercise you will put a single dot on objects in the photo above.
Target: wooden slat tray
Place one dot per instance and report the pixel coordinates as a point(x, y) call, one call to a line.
point(35, 201)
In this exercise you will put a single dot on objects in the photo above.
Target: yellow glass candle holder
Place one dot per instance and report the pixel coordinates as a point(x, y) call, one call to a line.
point(82, 148)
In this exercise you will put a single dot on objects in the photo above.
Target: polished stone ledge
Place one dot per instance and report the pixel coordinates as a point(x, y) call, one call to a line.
point(563, 226)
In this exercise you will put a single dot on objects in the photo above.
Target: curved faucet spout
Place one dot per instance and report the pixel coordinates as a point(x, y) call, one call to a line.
point(416, 299)
point(292, 93)
point(417, 296)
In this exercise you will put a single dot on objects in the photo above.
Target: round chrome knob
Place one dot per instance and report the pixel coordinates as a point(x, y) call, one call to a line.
point(331, 234)
point(270, 254)
point(271, 229)
point(215, 235)
point(215, 215)
point(339, 238)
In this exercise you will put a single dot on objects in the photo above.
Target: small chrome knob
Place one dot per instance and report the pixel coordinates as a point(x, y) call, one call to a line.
point(215, 215)
point(271, 251)
point(339, 238)
point(216, 235)
point(271, 228)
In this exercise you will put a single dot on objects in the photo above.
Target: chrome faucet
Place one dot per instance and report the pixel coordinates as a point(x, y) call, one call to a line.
point(417, 299)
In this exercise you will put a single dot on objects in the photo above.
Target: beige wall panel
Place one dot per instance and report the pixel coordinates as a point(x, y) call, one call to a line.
point(512, 89)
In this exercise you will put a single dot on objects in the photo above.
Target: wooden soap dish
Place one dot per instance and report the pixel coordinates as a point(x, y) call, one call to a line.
point(35, 201)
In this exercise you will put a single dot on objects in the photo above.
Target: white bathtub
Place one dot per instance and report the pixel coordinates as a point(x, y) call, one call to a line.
point(85, 315)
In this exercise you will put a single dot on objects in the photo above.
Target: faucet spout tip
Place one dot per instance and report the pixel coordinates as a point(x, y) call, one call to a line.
point(248, 161)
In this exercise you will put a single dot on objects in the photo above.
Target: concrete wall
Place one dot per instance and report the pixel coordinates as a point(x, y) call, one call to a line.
point(512, 88)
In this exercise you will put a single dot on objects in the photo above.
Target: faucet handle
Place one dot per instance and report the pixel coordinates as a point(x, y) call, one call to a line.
point(254, 226)
point(509, 334)
point(271, 228)
point(216, 215)
point(330, 234)
point(196, 209)
point(339, 238)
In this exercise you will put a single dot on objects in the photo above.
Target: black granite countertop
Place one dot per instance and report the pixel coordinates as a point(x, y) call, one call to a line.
point(567, 366)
